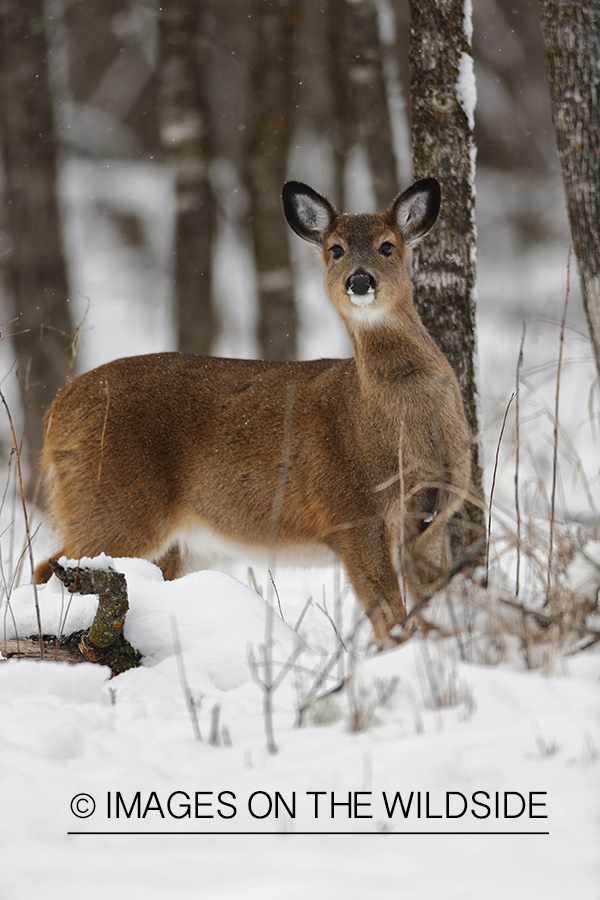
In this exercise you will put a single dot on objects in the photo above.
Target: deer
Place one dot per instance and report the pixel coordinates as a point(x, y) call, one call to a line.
point(364, 459)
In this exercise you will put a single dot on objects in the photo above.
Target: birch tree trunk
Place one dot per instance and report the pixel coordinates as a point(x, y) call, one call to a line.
point(444, 279)
point(35, 265)
point(572, 43)
point(185, 134)
point(274, 27)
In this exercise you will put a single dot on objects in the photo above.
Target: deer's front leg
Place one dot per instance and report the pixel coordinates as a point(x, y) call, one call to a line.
point(365, 551)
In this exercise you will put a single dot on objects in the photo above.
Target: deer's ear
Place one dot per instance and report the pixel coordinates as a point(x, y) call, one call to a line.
point(416, 210)
point(309, 214)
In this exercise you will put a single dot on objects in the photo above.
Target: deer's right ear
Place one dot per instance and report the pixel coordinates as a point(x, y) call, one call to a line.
point(308, 214)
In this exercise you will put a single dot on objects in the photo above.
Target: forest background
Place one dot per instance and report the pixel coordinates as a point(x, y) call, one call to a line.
point(160, 139)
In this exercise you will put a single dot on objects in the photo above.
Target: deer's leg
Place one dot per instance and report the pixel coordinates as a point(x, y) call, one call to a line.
point(171, 563)
point(365, 554)
point(418, 537)
point(428, 556)
point(44, 571)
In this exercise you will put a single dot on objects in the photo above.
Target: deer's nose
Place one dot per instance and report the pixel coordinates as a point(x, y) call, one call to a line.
point(360, 283)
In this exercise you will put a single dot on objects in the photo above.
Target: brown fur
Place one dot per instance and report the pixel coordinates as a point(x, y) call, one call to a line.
point(141, 450)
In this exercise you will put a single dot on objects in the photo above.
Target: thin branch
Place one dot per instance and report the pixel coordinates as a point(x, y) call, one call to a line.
point(517, 458)
point(326, 613)
point(487, 552)
point(302, 614)
point(99, 475)
point(285, 465)
point(190, 702)
point(276, 594)
point(555, 455)
point(546, 619)
point(26, 519)
point(268, 684)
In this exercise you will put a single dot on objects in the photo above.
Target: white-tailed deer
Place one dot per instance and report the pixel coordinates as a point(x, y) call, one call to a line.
point(366, 457)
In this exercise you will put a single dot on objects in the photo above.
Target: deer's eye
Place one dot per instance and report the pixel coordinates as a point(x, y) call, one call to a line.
point(337, 251)
point(386, 248)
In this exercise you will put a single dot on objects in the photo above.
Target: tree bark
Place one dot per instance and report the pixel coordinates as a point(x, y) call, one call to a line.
point(34, 267)
point(442, 103)
point(572, 43)
point(29, 648)
point(368, 97)
point(361, 107)
point(185, 134)
point(109, 82)
point(342, 120)
point(274, 26)
point(104, 642)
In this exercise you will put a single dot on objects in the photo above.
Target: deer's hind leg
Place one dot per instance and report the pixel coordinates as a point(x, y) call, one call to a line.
point(419, 541)
point(44, 571)
point(171, 563)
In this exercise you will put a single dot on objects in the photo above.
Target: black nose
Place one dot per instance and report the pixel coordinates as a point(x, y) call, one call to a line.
point(360, 283)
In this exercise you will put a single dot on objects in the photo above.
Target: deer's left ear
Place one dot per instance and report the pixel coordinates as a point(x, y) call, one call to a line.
point(309, 214)
point(416, 210)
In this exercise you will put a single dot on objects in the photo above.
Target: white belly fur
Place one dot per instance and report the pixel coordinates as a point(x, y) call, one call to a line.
point(202, 548)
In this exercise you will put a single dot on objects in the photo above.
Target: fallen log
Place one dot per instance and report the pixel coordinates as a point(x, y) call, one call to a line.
point(104, 642)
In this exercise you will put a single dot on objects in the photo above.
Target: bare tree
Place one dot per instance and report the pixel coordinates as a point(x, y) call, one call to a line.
point(360, 103)
point(442, 102)
point(572, 43)
point(107, 54)
point(186, 135)
point(274, 27)
point(34, 266)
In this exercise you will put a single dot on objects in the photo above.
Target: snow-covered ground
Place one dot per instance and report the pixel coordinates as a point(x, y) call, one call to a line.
point(105, 789)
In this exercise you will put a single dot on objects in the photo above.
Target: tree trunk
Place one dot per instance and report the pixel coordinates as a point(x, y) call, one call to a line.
point(360, 99)
point(185, 134)
point(368, 97)
point(109, 80)
point(35, 266)
point(274, 26)
point(572, 44)
point(442, 103)
point(342, 125)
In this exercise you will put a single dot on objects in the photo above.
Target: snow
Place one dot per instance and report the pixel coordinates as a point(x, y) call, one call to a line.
point(171, 813)
point(466, 91)
point(466, 87)
point(468, 20)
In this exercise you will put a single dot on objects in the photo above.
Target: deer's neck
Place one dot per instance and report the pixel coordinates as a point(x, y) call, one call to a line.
point(391, 350)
